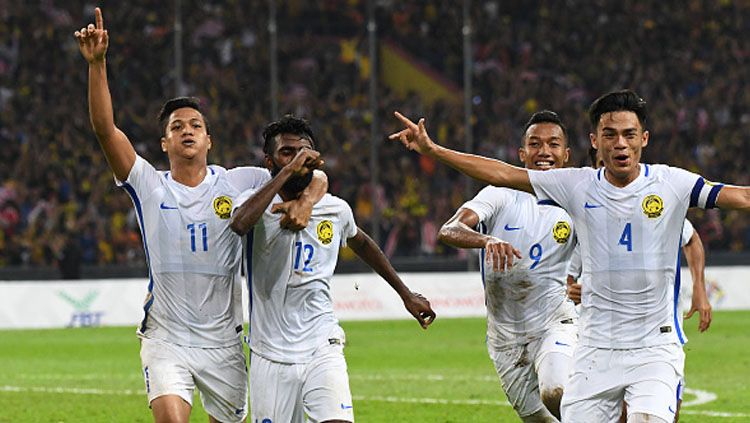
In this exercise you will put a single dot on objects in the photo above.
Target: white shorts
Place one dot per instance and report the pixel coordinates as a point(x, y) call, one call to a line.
point(282, 392)
point(645, 378)
point(220, 374)
point(518, 366)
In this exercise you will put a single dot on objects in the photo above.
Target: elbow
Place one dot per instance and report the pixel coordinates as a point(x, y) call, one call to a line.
point(444, 234)
point(237, 227)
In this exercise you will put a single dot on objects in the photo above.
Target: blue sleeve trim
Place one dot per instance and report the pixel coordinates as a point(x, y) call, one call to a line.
point(696, 192)
point(548, 202)
point(711, 202)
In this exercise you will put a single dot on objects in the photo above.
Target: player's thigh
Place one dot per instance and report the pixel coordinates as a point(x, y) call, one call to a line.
point(325, 393)
point(275, 391)
point(166, 370)
point(221, 377)
point(654, 378)
point(594, 391)
point(553, 356)
point(518, 378)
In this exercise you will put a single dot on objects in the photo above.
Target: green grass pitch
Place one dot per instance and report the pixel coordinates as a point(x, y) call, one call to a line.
point(398, 372)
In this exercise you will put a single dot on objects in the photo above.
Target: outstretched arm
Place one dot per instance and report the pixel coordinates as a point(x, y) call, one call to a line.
point(457, 232)
point(734, 198)
point(297, 212)
point(93, 42)
point(248, 214)
point(368, 251)
point(491, 171)
point(696, 260)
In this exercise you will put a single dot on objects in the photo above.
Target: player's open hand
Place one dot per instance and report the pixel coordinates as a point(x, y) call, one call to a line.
point(500, 254)
point(703, 307)
point(93, 40)
point(414, 136)
point(573, 290)
point(296, 213)
point(420, 308)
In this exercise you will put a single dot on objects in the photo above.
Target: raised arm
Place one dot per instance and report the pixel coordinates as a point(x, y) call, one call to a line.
point(368, 251)
point(457, 232)
point(93, 42)
point(491, 171)
point(297, 212)
point(696, 260)
point(734, 198)
point(248, 214)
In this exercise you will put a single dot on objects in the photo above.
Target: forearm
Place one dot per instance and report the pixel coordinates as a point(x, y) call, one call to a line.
point(459, 235)
point(366, 249)
point(248, 214)
point(317, 188)
point(696, 261)
point(491, 171)
point(100, 101)
point(734, 198)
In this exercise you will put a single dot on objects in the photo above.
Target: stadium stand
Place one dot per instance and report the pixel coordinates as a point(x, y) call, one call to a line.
point(56, 195)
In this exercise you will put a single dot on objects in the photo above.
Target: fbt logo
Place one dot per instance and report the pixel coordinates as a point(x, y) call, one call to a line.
point(82, 315)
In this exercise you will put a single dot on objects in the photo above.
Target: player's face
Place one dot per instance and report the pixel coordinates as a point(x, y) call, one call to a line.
point(287, 147)
point(544, 147)
point(620, 139)
point(186, 135)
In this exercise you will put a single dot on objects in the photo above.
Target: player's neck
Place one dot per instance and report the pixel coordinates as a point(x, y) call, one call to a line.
point(189, 173)
point(621, 181)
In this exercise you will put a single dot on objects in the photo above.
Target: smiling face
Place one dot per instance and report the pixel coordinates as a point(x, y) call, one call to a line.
point(620, 139)
point(185, 135)
point(544, 147)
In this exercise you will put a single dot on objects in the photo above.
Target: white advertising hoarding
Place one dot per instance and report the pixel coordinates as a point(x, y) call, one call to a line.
point(119, 302)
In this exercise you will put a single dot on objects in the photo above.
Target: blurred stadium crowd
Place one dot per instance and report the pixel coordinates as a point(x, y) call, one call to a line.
point(689, 60)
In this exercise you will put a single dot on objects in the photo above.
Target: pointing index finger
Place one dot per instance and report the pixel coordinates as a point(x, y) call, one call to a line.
point(99, 18)
point(406, 121)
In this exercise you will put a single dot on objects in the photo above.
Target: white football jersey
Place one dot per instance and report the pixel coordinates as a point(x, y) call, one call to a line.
point(289, 273)
point(629, 240)
point(524, 301)
point(194, 292)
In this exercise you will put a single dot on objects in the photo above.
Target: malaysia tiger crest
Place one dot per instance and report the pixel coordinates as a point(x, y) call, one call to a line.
point(325, 232)
point(223, 206)
point(653, 206)
point(561, 232)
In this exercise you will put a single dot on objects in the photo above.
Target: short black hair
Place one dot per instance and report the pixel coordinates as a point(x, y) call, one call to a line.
point(179, 103)
point(546, 116)
point(618, 101)
point(288, 124)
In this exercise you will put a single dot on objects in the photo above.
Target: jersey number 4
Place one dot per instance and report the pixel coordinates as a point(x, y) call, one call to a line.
point(626, 238)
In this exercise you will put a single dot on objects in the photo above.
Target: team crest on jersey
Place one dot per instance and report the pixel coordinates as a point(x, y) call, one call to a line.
point(223, 206)
point(561, 232)
point(325, 232)
point(653, 206)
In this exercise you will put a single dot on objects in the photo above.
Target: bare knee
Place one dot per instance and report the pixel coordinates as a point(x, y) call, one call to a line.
point(645, 418)
point(170, 409)
point(551, 398)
